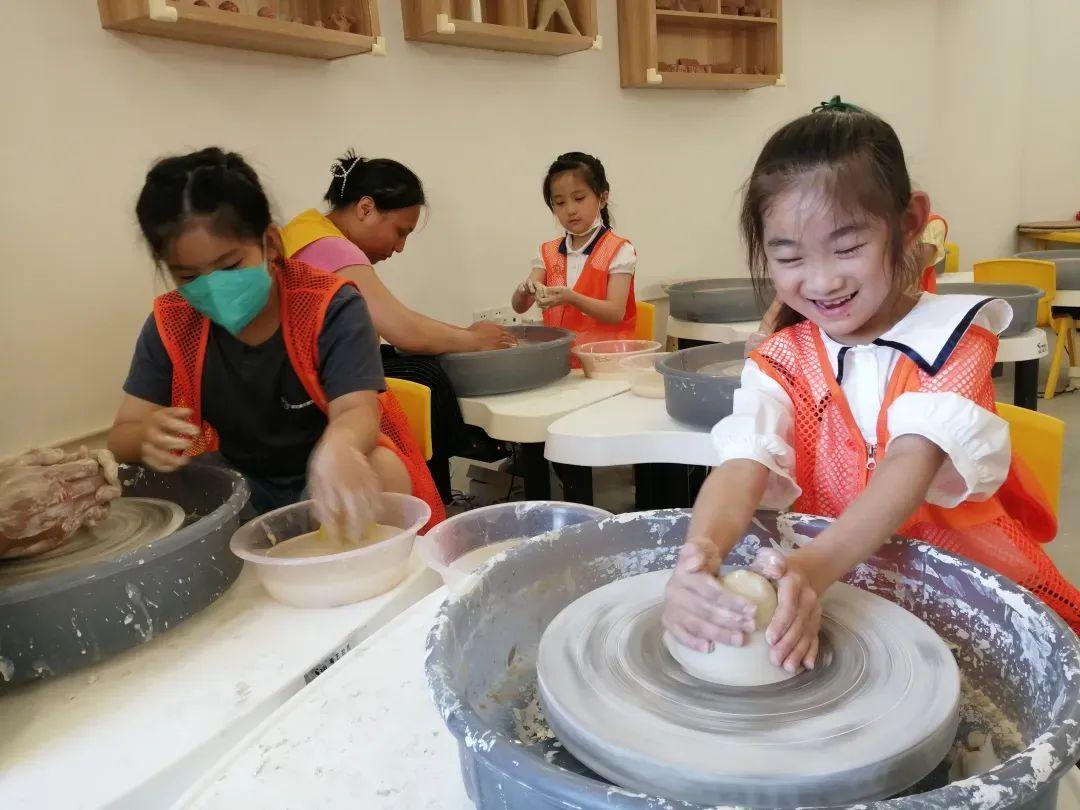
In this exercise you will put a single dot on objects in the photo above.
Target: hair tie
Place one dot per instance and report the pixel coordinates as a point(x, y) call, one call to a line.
point(835, 104)
point(338, 171)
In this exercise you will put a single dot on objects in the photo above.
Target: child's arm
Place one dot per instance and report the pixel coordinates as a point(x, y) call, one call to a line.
point(609, 310)
point(523, 296)
point(897, 488)
point(765, 328)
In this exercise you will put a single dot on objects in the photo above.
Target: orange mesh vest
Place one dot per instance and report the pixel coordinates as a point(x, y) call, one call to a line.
point(593, 283)
point(928, 282)
point(304, 294)
point(833, 462)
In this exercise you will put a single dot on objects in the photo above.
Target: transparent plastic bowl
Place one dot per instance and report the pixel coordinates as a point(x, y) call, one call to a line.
point(645, 380)
point(470, 531)
point(334, 579)
point(601, 360)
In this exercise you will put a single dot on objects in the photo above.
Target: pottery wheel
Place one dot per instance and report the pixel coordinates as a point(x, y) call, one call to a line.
point(877, 714)
point(132, 523)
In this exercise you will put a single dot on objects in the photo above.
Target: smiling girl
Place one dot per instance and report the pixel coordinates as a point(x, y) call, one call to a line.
point(871, 404)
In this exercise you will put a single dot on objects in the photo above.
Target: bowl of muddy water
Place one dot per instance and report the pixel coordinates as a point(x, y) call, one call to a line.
point(602, 359)
point(459, 547)
point(302, 566)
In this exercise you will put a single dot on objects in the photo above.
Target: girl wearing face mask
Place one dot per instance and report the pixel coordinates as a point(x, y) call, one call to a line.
point(583, 280)
point(271, 363)
point(872, 403)
point(374, 207)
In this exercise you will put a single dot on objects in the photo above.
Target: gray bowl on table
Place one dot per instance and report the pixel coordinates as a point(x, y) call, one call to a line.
point(1023, 299)
point(717, 300)
point(1068, 265)
point(541, 357)
point(700, 383)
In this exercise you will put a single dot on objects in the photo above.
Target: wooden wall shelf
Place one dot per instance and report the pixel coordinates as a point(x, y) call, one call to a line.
point(503, 25)
point(183, 19)
point(702, 45)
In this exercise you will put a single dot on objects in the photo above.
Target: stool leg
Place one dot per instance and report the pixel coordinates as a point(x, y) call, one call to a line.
point(1055, 363)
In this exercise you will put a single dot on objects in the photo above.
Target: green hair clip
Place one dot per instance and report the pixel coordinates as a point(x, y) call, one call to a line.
point(835, 104)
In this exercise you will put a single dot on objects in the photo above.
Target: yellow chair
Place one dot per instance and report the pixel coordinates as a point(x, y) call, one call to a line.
point(646, 321)
point(1039, 440)
point(1043, 275)
point(952, 257)
point(415, 400)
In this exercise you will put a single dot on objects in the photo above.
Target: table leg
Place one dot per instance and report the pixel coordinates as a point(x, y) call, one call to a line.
point(577, 483)
point(1026, 385)
point(536, 471)
point(666, 486)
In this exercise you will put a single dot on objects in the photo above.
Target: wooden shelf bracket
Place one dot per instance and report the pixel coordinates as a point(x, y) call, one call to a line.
point(653, 76)
point(443, 24)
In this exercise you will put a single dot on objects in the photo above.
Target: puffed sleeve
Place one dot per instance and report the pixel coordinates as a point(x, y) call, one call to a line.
point(761, 428)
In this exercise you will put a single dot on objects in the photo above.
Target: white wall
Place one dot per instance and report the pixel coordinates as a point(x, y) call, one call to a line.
point(90, 109)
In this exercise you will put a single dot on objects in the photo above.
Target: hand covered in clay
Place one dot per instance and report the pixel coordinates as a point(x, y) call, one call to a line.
point(793, 632)
point(698, 611)
point(550, 297)
point(166, 434)
point(345, 490)
point(46, 495)
point(488, 335)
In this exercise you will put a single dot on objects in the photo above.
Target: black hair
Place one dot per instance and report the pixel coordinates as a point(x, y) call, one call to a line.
point(212, 184)
point(390, 184)
point(591, 171)
point(861, 165)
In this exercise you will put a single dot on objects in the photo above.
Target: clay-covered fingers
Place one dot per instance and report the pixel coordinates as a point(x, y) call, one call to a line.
point(161, 460)
point(795, 625)
point(105, 494)
point(72, 471)
point(44, 457)
point(770, 563)
point(687, 607)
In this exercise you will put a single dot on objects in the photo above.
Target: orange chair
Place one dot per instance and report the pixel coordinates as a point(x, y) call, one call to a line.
point(646, 321)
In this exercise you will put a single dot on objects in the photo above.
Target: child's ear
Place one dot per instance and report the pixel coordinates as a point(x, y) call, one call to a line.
point(604, 199)
point(275, 247)
point(915, 217)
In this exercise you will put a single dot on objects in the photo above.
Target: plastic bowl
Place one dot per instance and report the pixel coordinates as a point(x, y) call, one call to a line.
point(645, 379)
point(467, 533)
point(334, 579)
point(602, 359)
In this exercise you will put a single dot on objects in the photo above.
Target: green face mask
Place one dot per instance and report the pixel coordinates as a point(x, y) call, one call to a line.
point(230, 298)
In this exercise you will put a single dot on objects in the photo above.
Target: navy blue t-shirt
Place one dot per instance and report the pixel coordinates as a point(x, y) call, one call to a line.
point(266, 422)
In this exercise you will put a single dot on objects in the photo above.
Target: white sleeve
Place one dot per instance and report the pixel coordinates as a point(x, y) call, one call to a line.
point(975, 441)
point(537, 262)
point(761, 428)
point(625, 261)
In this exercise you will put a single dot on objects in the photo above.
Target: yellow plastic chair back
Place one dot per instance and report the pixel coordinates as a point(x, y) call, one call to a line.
point(415, 401)
point(1033, 272)
point(646, 321)
point(1039, 439)
point(952, 257)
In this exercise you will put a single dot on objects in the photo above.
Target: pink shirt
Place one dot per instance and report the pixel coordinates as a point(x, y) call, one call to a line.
point(331, 253)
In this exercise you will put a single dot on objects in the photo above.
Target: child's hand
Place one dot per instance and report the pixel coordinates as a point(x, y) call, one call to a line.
point(166, 431)
point(487, 335)
point(549, 297)
point(698, 612)
point(793, 632)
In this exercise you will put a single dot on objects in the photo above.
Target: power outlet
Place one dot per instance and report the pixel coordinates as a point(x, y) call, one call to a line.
point(502, 315)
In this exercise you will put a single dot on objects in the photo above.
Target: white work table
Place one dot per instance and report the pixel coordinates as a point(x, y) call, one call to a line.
point(365, 734)
point(138, 730)
point(627, 429)
point(523, 417)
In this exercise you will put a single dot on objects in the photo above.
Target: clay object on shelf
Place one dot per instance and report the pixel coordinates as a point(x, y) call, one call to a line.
point(546, 9)
point(267, 13)
point(666, 67)
point(229, 5)
point(693, 66)
point(748, 11)
point(731, 10)
point(202, 3)
point(765, 12)
point(342, 20)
